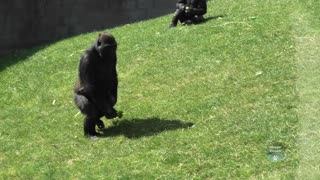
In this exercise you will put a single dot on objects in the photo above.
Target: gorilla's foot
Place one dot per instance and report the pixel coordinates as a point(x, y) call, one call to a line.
point(93, 136)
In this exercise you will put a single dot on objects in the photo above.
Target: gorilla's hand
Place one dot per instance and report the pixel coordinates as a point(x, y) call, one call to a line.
point(111, 113)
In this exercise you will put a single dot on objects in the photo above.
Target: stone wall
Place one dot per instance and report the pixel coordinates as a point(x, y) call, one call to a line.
point(26, 23)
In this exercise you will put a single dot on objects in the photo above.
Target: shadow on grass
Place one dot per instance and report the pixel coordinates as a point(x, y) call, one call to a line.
point(211, 18)
point(20, 55)
point(137, 128)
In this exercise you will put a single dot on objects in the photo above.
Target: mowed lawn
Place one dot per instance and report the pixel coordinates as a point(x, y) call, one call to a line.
point(205, 101)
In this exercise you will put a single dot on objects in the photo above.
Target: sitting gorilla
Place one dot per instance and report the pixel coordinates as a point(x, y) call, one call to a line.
point(189, 11)
point(95, 92)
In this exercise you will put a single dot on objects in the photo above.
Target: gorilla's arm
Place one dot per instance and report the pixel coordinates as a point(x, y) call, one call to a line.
point(88, 87)
point(114, 88)
point(86, 77)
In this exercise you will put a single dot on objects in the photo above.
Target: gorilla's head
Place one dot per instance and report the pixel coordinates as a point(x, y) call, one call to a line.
point(106, 45)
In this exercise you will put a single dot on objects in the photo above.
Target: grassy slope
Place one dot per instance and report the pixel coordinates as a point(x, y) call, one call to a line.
point(234, 78)
point(307, 37)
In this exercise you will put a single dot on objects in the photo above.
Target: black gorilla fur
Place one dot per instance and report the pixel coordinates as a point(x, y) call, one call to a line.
point(95, 92)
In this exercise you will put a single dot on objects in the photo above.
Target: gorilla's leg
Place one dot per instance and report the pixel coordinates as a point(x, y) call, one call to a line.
point(92, 115)
point(197, 19)
point(178, 15)
point(89, 126)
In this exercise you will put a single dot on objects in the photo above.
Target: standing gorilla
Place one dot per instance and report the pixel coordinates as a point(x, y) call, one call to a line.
point(95, 92)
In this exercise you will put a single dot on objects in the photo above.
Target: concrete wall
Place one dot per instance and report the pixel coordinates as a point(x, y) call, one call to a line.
point(26, 23)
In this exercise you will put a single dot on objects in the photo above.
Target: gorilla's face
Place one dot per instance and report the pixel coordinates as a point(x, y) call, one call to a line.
point(106, 46)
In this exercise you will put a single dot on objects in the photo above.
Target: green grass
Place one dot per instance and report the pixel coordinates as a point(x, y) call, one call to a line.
point(200, 102)
point(307, 37)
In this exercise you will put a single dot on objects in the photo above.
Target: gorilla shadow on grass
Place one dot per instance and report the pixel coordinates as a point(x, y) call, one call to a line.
point(137, 128)
point(211, 18)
